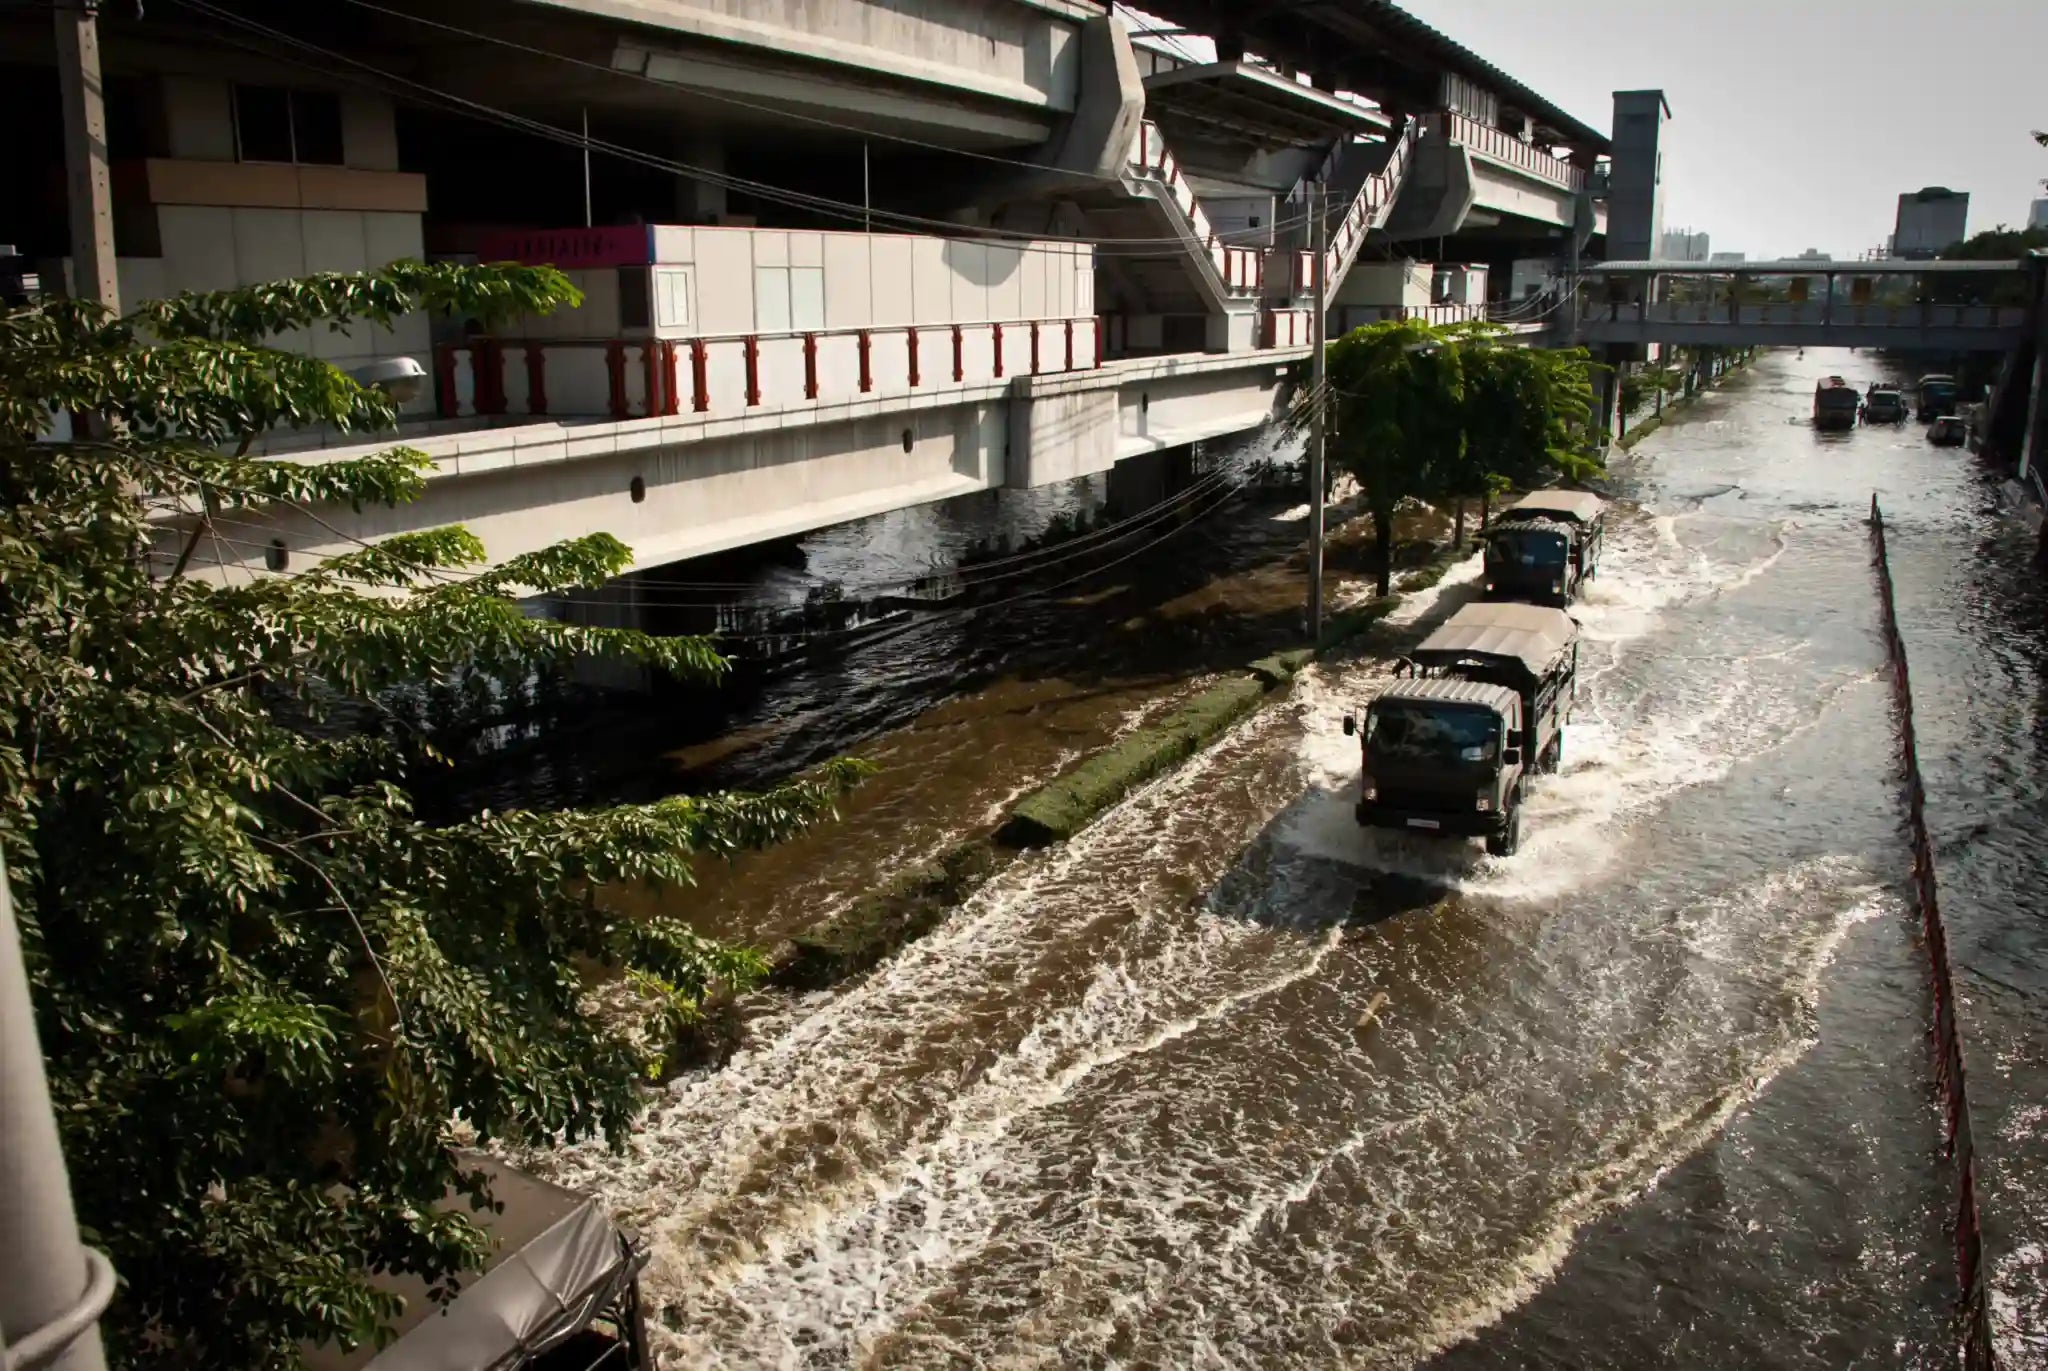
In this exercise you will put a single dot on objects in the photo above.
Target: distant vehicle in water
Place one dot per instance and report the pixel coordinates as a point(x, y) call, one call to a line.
point(1936, 393)
point(1450, 749)
point(1835, 404)
point(1948, 431)
point(1884, 403)
point(1545, 547)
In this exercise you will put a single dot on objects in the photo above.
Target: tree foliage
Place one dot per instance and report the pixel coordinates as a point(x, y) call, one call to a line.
point(1457, 411)
point(269, 994)
point(1397, 392)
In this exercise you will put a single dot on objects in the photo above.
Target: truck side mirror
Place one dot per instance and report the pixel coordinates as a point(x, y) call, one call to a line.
point(1350, 725)
point(1511, 756)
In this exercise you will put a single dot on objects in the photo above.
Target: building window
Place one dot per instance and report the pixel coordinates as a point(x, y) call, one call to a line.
point(273, 125)
point(789, 299)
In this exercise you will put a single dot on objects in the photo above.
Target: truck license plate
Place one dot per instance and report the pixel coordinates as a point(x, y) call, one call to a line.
point(1424, 823)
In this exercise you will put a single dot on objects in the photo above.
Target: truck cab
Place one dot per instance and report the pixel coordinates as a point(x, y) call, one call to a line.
point(1478, 709)
point(1545, 547)
point(1936, 395)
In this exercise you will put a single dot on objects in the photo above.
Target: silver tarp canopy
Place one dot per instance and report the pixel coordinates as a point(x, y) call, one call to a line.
point(559, 1262)
point(1579, 506)
point(1529, 637)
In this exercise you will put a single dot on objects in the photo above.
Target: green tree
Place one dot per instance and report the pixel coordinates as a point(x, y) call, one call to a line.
point(269, 994)
point(1396, 395)
point(1524, 414)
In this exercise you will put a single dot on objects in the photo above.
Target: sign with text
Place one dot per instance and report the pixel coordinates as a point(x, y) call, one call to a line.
point(624, 245)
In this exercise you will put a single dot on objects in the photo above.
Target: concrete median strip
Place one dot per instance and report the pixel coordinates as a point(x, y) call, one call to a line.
point(917, 900)
point(1060, 810)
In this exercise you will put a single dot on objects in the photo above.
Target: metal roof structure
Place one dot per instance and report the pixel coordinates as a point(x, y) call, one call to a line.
point(1802, 266)
point(1373, 47)
point(1240, 98)
point(1575, 506)
point(1532, 637)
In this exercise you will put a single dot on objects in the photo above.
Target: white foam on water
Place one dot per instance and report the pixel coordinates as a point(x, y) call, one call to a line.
point(1622, 757)
point(1235, 1291)
point(912, 1170)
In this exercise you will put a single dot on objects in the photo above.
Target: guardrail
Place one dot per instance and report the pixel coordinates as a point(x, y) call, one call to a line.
point(1242, 269)
point(1498, 145)
point(1813, 312)
point(627, 378)
point(1375, 195)
point(1975, 1314)
point(1356, 315)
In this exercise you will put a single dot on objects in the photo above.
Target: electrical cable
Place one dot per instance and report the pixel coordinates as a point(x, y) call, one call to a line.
point(825, 206)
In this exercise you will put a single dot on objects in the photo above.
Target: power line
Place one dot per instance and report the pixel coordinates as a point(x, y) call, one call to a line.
point(825, 206)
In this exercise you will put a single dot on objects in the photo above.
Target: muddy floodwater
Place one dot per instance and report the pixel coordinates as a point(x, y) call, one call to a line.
point(1227, 1081)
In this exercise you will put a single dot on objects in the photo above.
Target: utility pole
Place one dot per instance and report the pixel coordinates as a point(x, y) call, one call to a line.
point(85, 155)
point(52, 1287)
point(1319, 421)
point(588, 218)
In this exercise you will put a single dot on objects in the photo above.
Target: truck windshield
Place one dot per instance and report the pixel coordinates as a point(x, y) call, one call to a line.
point(1529, 548)
point(1404, 731)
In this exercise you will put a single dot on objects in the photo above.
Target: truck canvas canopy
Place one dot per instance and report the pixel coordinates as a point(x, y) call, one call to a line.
point(560, 1263)
point(1573, 506)
point(1524, 643)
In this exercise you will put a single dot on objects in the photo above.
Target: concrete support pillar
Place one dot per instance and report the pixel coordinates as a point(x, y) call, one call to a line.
point(1610, 393)
point(1138, 483)
point(699, 201)
point(91, 196)
point(1109, 105)
point(2034, 444)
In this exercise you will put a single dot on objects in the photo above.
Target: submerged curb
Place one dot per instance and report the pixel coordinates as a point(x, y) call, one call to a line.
point(1058, 811)
point(915, 901)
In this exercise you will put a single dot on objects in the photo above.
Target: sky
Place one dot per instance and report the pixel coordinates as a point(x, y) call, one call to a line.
point(1796, 124)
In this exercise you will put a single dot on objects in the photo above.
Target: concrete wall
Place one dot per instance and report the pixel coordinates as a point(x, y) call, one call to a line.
point(706, 483)
point(1400, 282)
point(1635, 205)
point(694, 497)
point(728, 282)
point(1001, 48)
point(221, 223)
point(1501, 190)
point(1242, 220)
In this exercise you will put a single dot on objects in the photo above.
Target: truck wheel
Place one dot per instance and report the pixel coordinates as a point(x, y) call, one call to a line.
point(1505, 842)
point(1553, 756)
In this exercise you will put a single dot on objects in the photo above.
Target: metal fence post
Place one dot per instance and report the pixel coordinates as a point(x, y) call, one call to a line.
point(52, 1287)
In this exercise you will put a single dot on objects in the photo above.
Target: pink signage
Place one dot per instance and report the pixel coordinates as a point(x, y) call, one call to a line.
point(625, 245)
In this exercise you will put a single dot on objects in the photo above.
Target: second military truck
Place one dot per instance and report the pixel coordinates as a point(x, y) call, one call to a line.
point(1474, 712)
point(1545, 547)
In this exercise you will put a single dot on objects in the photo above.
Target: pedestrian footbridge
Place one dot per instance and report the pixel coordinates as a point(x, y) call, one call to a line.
point(1936, 306)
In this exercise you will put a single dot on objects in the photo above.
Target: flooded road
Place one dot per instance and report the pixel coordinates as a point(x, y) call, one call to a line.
point(1226, 1081)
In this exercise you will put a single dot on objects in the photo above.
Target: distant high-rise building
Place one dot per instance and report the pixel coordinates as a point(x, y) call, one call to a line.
point(1729, 257)
point(1930, 220)
point(2037, 217)
point(1683, 245)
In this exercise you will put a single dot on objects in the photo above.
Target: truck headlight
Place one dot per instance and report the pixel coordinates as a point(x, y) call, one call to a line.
point(1483, 802)
point(1368, 789)
point(1557, 585)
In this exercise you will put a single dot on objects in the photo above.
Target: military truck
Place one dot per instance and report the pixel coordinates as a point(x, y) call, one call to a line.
point(1474, 712)
point(1545, 547)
